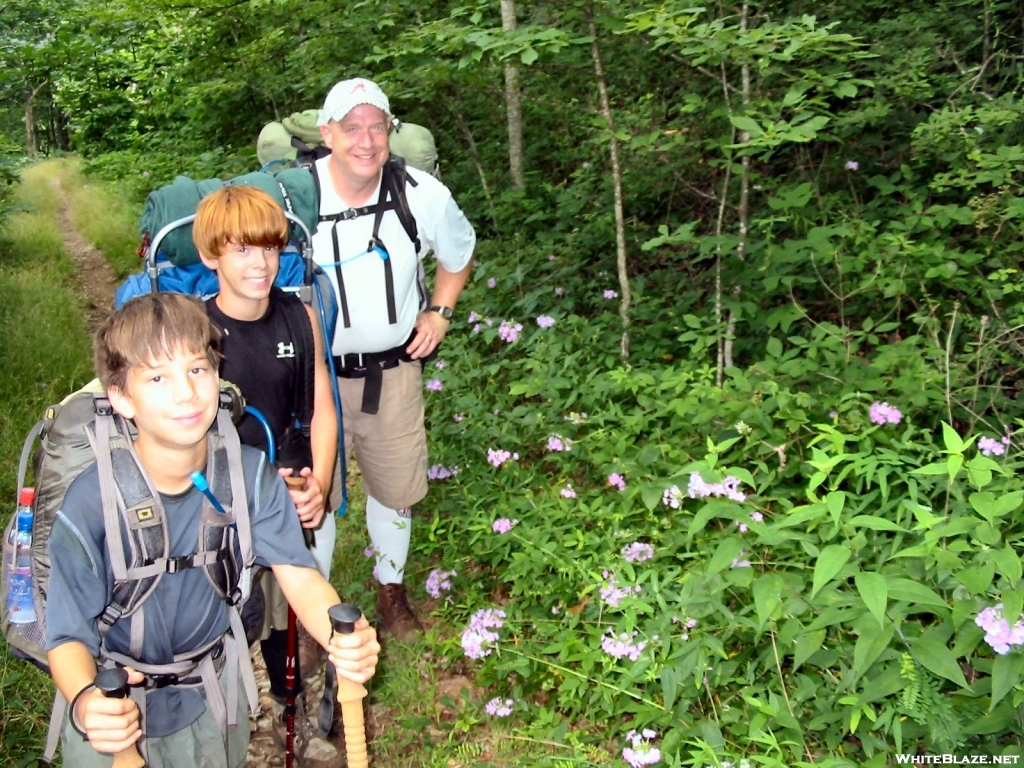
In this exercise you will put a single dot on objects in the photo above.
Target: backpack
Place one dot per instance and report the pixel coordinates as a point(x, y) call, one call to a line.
point(84, 428)
point(394, 177)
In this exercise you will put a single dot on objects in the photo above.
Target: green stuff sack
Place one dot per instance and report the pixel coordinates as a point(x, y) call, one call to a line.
point(293, 189)
point(416, 145)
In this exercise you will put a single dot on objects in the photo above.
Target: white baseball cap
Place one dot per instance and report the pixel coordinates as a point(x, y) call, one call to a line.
point(349, 94)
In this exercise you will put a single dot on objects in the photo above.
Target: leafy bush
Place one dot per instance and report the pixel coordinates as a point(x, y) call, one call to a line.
point(787, 567)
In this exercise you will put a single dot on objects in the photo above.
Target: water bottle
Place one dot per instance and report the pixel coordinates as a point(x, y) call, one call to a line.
point(21, 606)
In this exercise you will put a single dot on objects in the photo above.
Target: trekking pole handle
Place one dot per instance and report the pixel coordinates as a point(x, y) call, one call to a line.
point(350, 694)
point(113, 683)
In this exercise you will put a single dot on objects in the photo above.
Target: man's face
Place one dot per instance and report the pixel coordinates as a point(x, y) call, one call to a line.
point(245, 273)
point(173, 401)
point(358, 143)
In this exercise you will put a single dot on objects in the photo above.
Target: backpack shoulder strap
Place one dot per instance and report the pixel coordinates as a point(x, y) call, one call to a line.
point(300, 330)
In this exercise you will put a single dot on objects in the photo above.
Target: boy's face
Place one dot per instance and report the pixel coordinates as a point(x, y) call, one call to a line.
point(359, 143)
point(246, 273)
point(172, 400)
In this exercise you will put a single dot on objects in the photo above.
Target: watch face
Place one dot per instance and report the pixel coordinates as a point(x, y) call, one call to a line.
point(445, 312)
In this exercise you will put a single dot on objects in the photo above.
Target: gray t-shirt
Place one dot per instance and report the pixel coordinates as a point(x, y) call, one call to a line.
point(184, 613)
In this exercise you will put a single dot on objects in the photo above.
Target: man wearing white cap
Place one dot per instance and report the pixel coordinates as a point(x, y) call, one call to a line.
point(377, 222)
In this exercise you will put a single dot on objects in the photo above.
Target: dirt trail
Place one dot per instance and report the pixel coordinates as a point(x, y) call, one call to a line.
point(96, 277)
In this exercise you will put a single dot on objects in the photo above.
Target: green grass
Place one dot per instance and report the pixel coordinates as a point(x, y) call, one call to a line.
point(104, 215)
point(44, 355)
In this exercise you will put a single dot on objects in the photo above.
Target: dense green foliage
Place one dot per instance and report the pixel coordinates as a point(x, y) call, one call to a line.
point(822, 212)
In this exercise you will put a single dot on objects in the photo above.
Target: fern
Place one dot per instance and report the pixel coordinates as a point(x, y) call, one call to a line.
point(923, 701)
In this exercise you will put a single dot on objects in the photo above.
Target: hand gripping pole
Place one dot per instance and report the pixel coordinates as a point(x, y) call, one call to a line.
point(350, 694)
point(113, 683)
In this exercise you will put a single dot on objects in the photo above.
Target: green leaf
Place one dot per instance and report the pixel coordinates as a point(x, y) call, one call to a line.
point(913, 592)
point(953, 441)
point(954, 462)
point(932, 654)
point(767, 595)
point(747, 124)
point(1013, 602)
point(724, 555)
point(651, 496)
point(978, 579)
point(774, 347)
point(830, 562)
point(1007, 503)
point(874, 524)
point(669, 685)
point(807, 645)
point(1006, 672)
point(1007, 563)
point(874, 591)
point(938, 468)
point(835, 502)
point(528, 56)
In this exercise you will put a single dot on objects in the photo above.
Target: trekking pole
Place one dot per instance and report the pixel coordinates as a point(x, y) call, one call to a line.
point(350, 694)
point(113, 683)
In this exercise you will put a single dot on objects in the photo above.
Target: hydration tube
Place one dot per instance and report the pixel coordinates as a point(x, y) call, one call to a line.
point(267, 432)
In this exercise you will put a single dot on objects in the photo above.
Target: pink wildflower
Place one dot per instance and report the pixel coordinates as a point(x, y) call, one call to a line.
point(883, 413)
point(616, 480)
point(435, 385)
point(545, 321)
point(568, 491)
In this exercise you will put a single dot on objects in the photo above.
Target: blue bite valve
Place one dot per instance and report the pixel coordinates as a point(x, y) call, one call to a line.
point(199, 481)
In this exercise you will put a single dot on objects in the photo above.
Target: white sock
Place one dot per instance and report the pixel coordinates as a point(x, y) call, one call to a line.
point(391, 532)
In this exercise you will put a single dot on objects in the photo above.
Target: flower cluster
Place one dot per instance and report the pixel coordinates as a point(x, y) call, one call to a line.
point(435, 385)
point(478, 638)
point(499, 707)
point(883, 413)
point(851, 165)
point(441, 472)
point(545, 321)
point(509, 331)
point(439, 582)
point(622, 646)
point(504, 525)
point(728, 487)
point(617, 481)
point(568, 492)
point(998, 633)
point(991, 447)
point(673, 497)
point(559, 443)
point(499, 457)
point(459, 416)
point(612, 593)
point(640, 752)
point(737, 562)
point(637, 552)
point(491, 282)
point(611, 294)
point(559, 291)
point(370, 551)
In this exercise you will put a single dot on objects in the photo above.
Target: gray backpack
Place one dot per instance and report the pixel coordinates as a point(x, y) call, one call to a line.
point(84, 428)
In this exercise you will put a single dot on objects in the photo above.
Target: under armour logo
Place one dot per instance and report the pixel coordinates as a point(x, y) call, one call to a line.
point(358, 87)
point(285, 350)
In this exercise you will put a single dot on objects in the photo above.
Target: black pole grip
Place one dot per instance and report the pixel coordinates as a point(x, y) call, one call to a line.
point(344, 617)
point(112, 683)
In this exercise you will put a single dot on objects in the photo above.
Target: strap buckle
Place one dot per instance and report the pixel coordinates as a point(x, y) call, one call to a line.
point(155, 681)
point(177, 564)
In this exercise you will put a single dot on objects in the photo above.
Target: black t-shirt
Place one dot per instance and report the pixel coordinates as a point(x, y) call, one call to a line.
point(263, 359)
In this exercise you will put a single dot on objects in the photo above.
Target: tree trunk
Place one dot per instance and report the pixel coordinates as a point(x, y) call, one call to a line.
point(467, 134)
point(513, 103)
point(31, 136)
point(620, 219)
point(743, 212)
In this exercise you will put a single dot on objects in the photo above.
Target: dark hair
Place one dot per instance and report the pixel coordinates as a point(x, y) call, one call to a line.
point(152, 327)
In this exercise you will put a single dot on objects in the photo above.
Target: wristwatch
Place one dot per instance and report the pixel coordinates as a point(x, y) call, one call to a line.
point(445, 312)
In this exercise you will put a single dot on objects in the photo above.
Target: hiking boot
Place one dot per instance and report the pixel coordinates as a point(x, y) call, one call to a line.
point(311, 655)
point(311, 751)
point(396, 613)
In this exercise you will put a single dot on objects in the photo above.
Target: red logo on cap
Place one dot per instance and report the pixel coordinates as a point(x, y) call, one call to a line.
point(358, 87)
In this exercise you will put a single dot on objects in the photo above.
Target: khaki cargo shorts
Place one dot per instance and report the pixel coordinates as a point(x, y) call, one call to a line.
point(391, 445)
